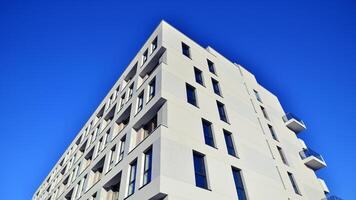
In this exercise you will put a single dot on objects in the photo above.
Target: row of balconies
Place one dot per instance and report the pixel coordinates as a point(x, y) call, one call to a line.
point(311, 159)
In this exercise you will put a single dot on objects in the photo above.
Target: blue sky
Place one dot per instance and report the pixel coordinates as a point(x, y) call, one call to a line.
point(58, 59)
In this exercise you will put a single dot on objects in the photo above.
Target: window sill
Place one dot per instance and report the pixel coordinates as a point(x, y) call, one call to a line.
point(144, 185)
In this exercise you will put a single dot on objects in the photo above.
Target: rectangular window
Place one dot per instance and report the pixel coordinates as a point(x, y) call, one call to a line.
point(216, 87)
point(140, 102)
point(280, 151)
point(239, 185)
point(198, 76)
point(222, 112)
point(122, 101)
point(186, 50)
point(229, 143)
point(191, 97)
point(273, 133)
point(211, 66)
point(112, 154)
point(130, 91)
point(154, 45)
point(264, 112)
point(208, 133)
point(151, 89)
point(122, 148)
point(199, 170)
point(293, 182)
point(144, 57)
point(132, 178)
point(257, 96)
point(147, 168)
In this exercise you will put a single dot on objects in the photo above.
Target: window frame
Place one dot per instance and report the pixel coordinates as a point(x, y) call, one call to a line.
point(208, 133)
point(222, 112)
point(200, 171)
point(147, 170)
point(186, 50)
point(192, 91)
point(231, 150)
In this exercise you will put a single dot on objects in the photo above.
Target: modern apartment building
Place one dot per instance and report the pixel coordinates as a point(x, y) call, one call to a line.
point(185, 123)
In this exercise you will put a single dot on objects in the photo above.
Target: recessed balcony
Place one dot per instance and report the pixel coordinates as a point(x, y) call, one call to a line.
point(312, 159)
point(294, 123)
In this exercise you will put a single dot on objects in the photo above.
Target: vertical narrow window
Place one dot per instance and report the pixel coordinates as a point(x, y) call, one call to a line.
point(154, 45)
point(147, 168)
point(229, 143)
point(198, 76)
point(264, 112)
point(144, 57)
point(140, 102)
point(130, 91)
point(185, 50)
point(280, 151)
point(258, 97)
point(191, 97)
point(107, 137)
point(211, 66)
point(152, 89)
point(122, 148)
point(112, 154)
point(222, 112)
point(117, 92)
point(122, 101)
point(273, 133)
point(293, 182)
point(208, 133)
point(216, 87)
point(132, 178)
point(239, 185)
point(199, 170)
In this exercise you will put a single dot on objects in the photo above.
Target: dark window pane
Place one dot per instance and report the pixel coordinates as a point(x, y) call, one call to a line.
point(294, 184)
point(186, 50)
point(229, 143)
point(280, 151)
point(264, 112)
point(152, 89)
point(147, 167)
point(239, 184)
point(132, 180)
point(198, 76)
point(211, 66)
point(222, 113)
point(271, 130)
point(191, 95)
point(216, 87)
point(154, 44)
point(208, 133)
point(199, 169)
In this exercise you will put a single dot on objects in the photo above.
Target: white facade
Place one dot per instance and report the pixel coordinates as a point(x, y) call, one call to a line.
point(148, 109)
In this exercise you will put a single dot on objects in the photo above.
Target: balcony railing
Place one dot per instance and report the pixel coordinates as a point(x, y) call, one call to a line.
point(312, 159)
point(309, 152)
point(294, 123)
